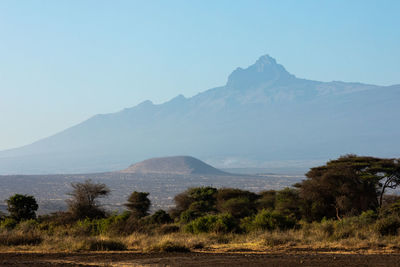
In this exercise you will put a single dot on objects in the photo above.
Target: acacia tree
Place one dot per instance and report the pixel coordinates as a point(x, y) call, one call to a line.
point(84, 200)
point(389, 172)
point(337, 192)
point(384, 173)
point(22, 207)
point(348, 186)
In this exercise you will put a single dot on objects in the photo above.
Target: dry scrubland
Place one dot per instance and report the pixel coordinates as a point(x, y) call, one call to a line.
point(327, 243)
point(341, 209)
point(350, 234)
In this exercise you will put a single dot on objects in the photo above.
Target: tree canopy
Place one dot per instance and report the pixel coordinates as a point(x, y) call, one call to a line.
point(138, 204)
point(84, 200)
point(22, 207)
point(348, 185)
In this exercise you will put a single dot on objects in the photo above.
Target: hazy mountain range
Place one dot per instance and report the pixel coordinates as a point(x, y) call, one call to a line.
point(262, 114)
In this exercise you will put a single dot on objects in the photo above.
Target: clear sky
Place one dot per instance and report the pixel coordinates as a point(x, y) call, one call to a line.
point(63, 61)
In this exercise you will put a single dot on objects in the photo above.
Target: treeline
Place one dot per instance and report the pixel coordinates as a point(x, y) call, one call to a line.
point(348, 187)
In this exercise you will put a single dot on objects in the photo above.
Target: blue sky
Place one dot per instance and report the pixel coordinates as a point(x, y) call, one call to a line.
point(63, 61)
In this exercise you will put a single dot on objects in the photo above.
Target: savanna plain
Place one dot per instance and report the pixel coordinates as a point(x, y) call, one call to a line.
point(344, 212)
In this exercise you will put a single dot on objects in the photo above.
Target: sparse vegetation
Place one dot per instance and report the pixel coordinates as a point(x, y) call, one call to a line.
point(84, 200)
point(338, 206)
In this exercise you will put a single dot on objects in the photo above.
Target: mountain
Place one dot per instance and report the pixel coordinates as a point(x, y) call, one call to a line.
point(263, 114)
point(181, 165)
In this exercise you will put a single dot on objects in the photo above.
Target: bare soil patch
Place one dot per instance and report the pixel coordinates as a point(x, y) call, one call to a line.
point(198, 259)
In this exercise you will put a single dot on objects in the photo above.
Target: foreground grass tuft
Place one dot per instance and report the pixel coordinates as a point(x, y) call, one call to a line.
point(169, 246)
point(103, 245)
point(19, 239)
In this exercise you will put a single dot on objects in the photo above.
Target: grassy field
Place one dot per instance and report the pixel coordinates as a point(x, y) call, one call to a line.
point(311, 247)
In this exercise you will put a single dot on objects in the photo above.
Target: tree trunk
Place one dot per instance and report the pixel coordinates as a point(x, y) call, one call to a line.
point(337, 214)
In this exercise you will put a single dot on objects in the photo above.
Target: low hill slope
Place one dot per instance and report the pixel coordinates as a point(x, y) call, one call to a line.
point(183, 165)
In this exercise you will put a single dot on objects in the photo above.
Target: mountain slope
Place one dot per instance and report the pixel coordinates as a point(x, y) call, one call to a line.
point(182, 165)
point(263, 113)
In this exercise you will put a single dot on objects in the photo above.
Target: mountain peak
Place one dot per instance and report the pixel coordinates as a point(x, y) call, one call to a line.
point(264, 70)
point(266, 59)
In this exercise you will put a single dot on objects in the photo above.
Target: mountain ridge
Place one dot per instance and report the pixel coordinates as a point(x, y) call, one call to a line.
point(263, 113)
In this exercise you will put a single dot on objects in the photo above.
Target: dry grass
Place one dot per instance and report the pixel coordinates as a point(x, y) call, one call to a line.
point(318, 237)
point(19, 238)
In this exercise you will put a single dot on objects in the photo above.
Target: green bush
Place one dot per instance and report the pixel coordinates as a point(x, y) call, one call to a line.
point(225, 224)
point(189, 215)
point(201, 225)
point(27, 226)
point(160, 217)
point(327, 227)
point(239, 207)
point(168, 228)
point(246, 224)
point(222, 223)
point(346, 228)
point(269, 220)
point(367, 217)
point(267, 200)
point(388, 226)
point(111, 225)
point(8, 224)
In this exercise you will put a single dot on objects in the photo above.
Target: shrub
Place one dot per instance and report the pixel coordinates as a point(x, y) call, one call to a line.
point(84, 227)
point(189, 215)
point(8, 224)
point(388, 226)
point(103, 245)
point(327, 227)
point(280, 239)
point(239, 207)
point(197, 199)
point(225, 224)
point(201, 225)
point(222, 223)
point(168, 229)
point(367, 217)
point(18, 239)
point(345, 228)
point(114, 224)
point(160, 217)
point(169, 246)
point(267, 200)
point(27, 226)
point(57, 218)
point(271, 220)
point(287, 202)
point(246, 224)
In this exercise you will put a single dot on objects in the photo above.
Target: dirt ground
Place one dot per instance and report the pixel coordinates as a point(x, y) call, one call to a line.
point(197, 259)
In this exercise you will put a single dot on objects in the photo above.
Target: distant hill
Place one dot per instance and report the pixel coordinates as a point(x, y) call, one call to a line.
point(262, 114)
point(182, 165)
